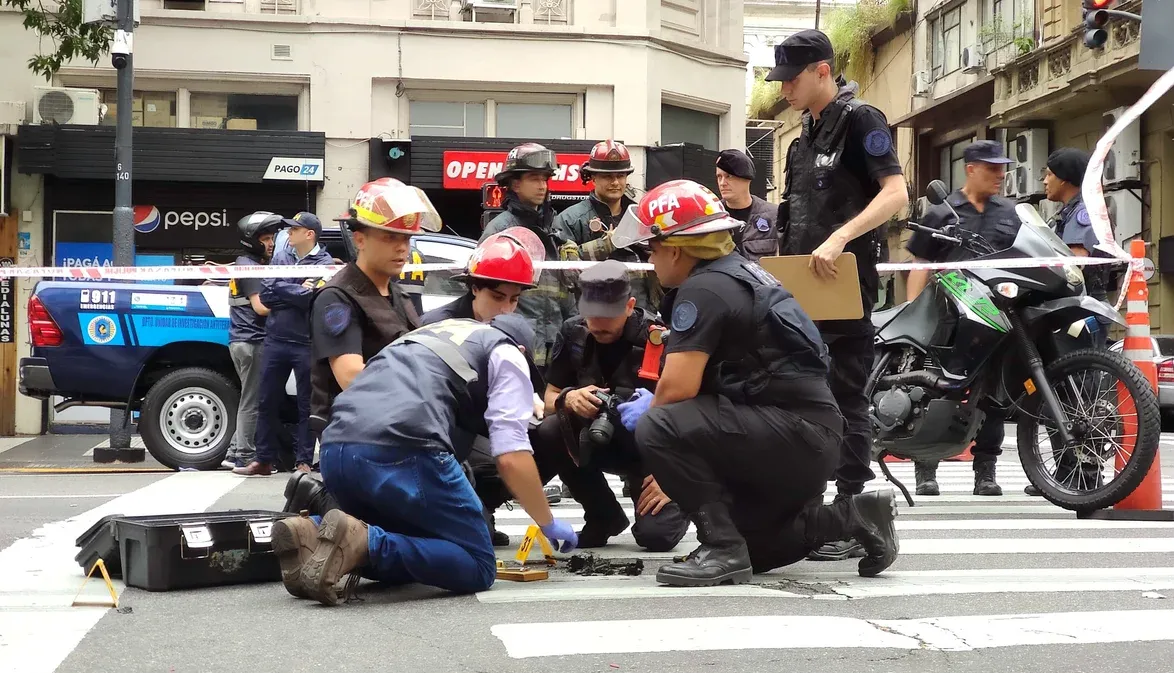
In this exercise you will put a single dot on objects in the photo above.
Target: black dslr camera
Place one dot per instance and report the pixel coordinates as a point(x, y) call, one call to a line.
point(603, 427)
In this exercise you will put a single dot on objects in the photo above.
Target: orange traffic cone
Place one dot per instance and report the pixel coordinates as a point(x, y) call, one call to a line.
point(1145, 502)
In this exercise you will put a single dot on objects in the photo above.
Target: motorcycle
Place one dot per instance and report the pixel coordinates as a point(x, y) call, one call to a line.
point(1017, 341)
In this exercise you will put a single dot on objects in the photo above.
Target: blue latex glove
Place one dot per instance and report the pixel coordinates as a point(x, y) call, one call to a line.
point(560, 530)
point(633, 409)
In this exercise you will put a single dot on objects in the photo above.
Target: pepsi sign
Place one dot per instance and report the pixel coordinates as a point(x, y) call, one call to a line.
point(148, 218)
point(285, 168)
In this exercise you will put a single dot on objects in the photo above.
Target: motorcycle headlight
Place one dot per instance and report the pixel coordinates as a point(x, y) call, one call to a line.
point(1074, 275)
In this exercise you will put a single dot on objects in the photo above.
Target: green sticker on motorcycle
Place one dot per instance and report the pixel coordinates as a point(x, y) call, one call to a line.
point(982, 307)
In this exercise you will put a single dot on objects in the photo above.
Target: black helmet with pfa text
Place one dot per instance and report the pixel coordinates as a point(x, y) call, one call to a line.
point(253, 227)
point(527, 158)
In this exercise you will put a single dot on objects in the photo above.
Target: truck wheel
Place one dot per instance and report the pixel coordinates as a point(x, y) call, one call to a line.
point(188, 418)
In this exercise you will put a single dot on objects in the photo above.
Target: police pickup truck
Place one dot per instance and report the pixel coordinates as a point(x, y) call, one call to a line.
point(162, 350)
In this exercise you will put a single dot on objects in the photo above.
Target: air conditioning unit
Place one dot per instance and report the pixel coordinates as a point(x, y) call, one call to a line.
point(1124, 159)
point(1124, 213)
point(972, 59)
point(490, 11)
point(1048, 209)
point(1010, 187)
point(1029, 149)
point(58, 105)
point(921, 83)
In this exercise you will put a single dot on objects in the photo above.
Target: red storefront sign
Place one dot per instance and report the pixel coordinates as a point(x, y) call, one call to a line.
point(471, 170)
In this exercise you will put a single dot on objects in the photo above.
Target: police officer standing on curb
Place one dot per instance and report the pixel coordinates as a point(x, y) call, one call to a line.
point(743, 430)
point(287, 347)
point(362, 308)
point(760, 237)
point(843, 182)
point(246, 330)
point(526, 176)
point(590, 222)
point(602, 351)
point(993, 218)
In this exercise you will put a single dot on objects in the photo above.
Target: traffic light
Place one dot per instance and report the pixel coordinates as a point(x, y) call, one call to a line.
point(1095, 19)
point(492, 196)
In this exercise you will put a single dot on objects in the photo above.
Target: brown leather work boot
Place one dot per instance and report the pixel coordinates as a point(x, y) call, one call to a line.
point(342, 549)
point(294, 541)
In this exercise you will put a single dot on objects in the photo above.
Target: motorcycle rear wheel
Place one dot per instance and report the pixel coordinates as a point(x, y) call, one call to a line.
point(1145, 445)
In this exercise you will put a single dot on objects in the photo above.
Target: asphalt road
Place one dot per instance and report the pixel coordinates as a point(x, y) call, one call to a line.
point(993, 584)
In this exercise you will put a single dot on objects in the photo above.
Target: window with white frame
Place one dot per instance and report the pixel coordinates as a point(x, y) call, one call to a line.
point(946, 42)
point(953, 168)
point(500, 116)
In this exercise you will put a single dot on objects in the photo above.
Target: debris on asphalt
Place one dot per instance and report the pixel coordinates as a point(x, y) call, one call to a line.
point(1152, 594)
point(590, 564)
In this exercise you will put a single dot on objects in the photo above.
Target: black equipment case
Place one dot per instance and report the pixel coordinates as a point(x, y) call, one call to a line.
point(184, 551)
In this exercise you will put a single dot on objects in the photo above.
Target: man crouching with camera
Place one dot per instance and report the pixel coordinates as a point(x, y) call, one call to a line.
point(595, 365)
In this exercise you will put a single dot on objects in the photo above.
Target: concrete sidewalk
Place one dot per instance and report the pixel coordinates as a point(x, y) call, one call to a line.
point(65, 454)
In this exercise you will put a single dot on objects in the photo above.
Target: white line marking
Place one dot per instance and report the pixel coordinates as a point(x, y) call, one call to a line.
point(795, 632)
point(58, 497)
point(7, 443)
point(1059, 545)
point(37, 640)
point(845, 585)
point(921, 509)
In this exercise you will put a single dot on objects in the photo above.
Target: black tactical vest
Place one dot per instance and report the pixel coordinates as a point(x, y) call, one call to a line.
point(822, 194)
point(428, 390)
point(380, 321)
point(583, 350)
point(788, 365)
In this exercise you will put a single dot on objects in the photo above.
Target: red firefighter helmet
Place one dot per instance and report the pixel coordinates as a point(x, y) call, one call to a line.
point(510, 256)
point(677, 207)
point(607, 157)
point(391, 205)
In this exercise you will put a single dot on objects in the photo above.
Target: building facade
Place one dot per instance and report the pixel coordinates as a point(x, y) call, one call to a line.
point(291, 105)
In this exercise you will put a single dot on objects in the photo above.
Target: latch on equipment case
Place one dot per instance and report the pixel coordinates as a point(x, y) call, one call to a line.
point(260, 532)
point(195, 536)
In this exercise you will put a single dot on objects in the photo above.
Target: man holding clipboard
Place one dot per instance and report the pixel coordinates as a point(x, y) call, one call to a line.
point(843, 182)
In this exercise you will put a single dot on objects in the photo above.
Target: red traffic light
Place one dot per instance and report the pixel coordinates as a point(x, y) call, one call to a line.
point(1098, 4)
point(492, 195)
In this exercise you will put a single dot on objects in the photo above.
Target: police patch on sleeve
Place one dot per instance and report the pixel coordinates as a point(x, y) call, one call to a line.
point(684, 316)
point(878, 142)
point(1082, 216)
point(762, 224)
point(337, 317)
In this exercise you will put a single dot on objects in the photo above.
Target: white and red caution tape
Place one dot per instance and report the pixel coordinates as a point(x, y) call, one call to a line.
point(229, 271)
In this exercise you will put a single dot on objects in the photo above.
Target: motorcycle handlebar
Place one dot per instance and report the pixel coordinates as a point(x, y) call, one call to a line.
point(936, 233)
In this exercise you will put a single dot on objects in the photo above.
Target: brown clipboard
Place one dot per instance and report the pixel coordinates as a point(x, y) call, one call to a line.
point(821, 299)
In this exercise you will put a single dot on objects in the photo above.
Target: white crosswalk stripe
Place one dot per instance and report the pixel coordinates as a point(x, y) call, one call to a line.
point(954, 544)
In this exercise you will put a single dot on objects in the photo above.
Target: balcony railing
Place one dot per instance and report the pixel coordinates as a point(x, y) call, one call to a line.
point(1056, 67)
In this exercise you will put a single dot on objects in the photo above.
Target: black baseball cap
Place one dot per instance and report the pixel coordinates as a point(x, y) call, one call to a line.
point(799, 51)
point(736, 163)
point(605, 290)
point(987, 152)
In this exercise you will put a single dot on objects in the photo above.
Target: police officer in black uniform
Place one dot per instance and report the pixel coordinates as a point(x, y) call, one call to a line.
point(982, 211)
point(743, 430)
point(601, 352)
point(843, 182)
point(760, 237)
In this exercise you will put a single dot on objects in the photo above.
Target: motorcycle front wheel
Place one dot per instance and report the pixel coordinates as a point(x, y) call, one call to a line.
point(1116, 426)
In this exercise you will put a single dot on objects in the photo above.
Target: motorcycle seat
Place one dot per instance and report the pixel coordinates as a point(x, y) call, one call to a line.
point(882, 318)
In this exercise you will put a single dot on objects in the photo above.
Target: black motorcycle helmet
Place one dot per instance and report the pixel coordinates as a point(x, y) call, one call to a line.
point(253, 227)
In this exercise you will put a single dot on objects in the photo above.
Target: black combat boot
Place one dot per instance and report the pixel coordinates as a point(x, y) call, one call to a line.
point(722, 557)
point(305, 492)
point(868, 517)
point(837, 550)
point(599, 529)
point(499, 538)
point(926, 476)
point(984, 476)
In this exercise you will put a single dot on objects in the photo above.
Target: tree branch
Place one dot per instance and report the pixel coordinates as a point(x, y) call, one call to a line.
point(63, 26)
